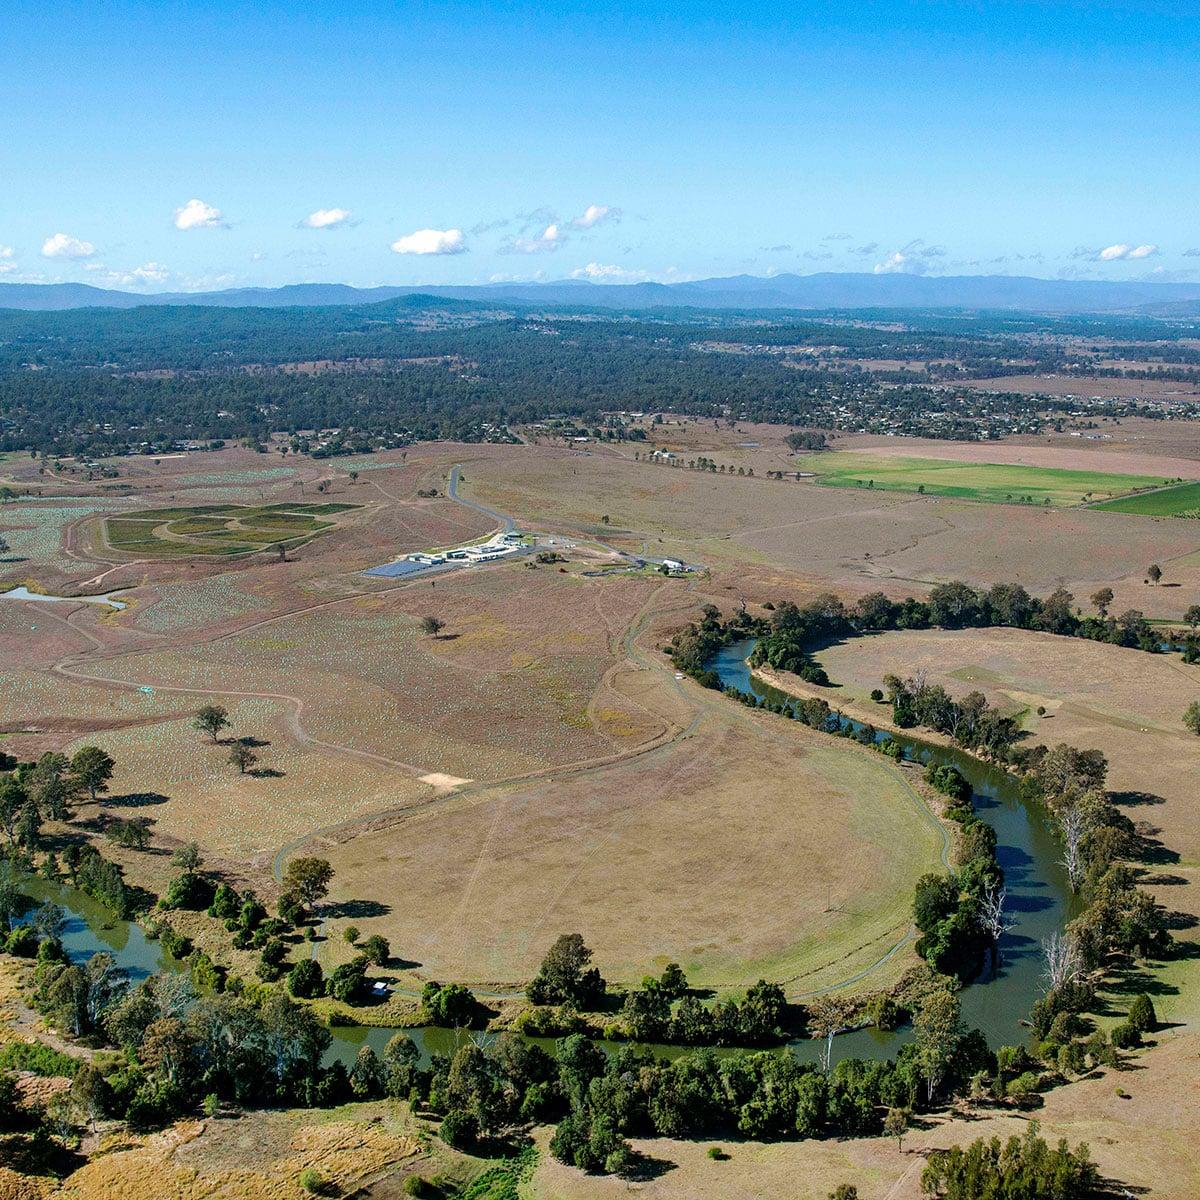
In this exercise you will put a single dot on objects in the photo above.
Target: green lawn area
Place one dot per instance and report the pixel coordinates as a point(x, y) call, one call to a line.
point(1180, 501)
point(218, 529)
point(994, 483)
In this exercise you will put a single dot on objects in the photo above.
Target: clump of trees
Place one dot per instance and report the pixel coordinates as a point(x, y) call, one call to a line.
point(1019, 1169)
point(961, 915)
point(663, 1010)
point(795, 631)
point(970, 722)
point(565, 977)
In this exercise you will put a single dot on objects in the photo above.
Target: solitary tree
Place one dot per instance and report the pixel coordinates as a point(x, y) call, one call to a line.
point(91, 769)
point(377, 949)
point(1102, 599)
point(4, 547)
point(1191, 717)
point(432, 625)
point(187, 858)
point(1154, 572)
point(242, 757)
point(895, 1124)
point(308, 877)
point(211, 719)
point(1192, 616)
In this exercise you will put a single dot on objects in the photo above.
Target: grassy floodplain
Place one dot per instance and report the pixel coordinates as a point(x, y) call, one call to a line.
point(1181, 501)
point(993, 483)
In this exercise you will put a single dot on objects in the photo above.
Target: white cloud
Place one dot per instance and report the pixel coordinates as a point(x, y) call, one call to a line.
point(909, 260)
point(7, 266)
point(150, 272)
point(893, 264)
point(536, 277)
point(326, 218)
point(608, 273)
point(147, 273)
point(63, 245)
point(431, 241)
point(195, 214)
point(6, 252)
point(549, 239)
point(596, 214)
point(1120, 252)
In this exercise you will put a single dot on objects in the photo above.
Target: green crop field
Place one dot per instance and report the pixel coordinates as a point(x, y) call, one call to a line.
point(1181, 501)
point(994, 483)
point(215, 529)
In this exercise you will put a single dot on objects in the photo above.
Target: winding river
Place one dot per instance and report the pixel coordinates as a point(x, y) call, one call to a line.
point(1039, 901)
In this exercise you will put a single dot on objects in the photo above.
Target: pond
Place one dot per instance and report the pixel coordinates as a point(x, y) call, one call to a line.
point(23, 593)
point(1039, 902)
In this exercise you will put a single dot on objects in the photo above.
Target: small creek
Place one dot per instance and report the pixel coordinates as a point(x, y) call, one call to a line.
point(1039, 902)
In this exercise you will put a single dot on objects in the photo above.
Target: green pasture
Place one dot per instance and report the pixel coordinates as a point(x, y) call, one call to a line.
point(218, 529)
point(1182, 500)
point(993, 483)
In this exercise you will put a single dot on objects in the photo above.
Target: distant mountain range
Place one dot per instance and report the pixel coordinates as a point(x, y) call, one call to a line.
point(827, 290)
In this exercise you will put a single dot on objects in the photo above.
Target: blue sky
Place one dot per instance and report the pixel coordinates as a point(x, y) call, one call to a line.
point(175, 146)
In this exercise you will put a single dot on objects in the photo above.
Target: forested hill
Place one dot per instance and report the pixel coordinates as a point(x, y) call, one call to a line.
point(821, 290)
point(99, 381)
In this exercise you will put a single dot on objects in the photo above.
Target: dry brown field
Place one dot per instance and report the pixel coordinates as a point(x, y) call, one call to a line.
point(259, 1157)
point(1066, 452)
point(767, 536)
point(1074, 385)
point(740, 851)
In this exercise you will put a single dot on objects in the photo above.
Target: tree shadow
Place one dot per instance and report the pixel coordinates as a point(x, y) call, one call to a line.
point(643, 1167)
point(1176, 921)
point(265, 773)
point(135, 800)
point(255, 743)
point(359, 909)
point(1149, 849)
point(1132, 798)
